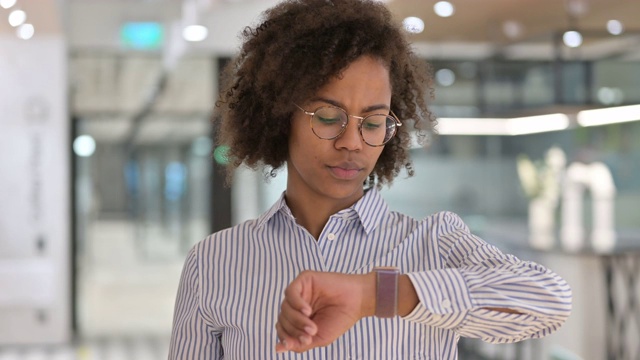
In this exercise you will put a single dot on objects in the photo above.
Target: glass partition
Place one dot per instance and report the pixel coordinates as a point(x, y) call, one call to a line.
point(143, 192)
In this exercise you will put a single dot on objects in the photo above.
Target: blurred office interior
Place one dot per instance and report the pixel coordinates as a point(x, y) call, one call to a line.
point(109, 173)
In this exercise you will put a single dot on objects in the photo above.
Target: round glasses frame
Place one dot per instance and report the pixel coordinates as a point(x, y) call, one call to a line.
point(344, 127)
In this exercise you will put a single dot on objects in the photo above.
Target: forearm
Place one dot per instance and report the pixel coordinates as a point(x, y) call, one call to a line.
point(407, 297)
point(498, 305)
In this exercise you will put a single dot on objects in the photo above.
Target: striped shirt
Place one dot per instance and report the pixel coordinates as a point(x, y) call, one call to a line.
point(233, 283)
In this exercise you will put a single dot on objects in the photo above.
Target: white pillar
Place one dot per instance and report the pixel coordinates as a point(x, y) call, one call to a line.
point(35, 212)
point(572, 231)
point(603, 192)
point(596, 178)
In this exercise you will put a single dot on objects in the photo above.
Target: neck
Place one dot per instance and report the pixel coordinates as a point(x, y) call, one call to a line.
point(312, 211)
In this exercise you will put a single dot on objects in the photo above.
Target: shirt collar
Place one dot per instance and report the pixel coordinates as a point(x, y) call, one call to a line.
point(370, 209)
point(280, 204)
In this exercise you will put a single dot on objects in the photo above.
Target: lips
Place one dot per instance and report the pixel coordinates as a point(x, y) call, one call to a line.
point(346, 170)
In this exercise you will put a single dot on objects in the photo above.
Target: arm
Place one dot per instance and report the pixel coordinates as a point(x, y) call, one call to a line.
point(191, 337)
point(479, 292)
point(483, 293)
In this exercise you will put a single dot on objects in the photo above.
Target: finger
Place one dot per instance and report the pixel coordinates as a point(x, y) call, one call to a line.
point(296, 323)
point(293, 337)
point(295, 295)
point(294, 328)
point(282, 345)
point(285, 342)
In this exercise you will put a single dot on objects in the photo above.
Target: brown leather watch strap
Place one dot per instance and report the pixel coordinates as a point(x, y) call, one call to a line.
point(386, 291)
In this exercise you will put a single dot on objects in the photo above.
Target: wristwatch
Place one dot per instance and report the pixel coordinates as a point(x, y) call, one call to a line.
point(386, 291)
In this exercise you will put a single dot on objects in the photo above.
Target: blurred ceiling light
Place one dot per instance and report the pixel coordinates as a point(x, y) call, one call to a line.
point(17, 18)
point(504, 127)
point(7, 3)
point(609, 115)
point(512, 29)
point(84, 145)
point(615, 27)
point(195, 33)
point(413, 24)
point(537, 124)
point(572, 39)
point(25, 31)
point(445, 77)
point(443, 8)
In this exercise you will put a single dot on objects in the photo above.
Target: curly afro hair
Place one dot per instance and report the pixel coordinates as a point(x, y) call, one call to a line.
point(299, 47)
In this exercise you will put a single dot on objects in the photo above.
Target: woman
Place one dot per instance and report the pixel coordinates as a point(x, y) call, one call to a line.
point(329, 89)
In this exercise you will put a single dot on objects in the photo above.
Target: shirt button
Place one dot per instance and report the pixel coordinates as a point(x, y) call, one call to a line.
point(446, 304)
point(331, 236)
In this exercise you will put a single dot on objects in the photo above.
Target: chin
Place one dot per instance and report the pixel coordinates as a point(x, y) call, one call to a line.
point(344, 190)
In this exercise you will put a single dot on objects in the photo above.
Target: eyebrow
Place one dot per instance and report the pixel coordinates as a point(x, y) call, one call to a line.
point(367, 109)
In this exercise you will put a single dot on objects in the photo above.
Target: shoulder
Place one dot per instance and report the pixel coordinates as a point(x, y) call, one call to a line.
point(446, 221)
point(441, 222)
point(433, 228)
point(443, 229)
point(227, 237)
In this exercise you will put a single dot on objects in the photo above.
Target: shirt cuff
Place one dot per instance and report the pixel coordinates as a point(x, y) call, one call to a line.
point(444, 298)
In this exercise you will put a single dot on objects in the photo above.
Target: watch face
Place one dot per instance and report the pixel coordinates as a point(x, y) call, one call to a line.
point(386, 291)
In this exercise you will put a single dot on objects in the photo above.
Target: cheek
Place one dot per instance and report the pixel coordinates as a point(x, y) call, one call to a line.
point(376, 154)
point(301, 147)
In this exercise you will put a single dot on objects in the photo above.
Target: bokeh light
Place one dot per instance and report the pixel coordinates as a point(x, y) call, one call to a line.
point(572, 39)
point(84, 145)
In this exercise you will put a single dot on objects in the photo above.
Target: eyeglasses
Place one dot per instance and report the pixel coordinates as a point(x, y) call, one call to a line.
point(330, 122)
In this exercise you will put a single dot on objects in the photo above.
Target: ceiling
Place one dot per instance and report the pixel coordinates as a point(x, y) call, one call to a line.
point(43, 14)
point(480, 25)
point(110, 85)
point(482, 21)
point(475, 29)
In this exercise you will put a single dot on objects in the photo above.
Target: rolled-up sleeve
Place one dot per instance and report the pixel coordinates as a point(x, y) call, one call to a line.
point(192, 336)
point(476, 279)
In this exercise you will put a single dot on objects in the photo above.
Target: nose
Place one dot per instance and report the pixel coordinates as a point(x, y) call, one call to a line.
point(350, 139)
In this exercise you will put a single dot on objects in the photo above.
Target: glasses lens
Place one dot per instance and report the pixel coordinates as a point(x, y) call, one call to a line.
point(328, 122)
point(378, 129)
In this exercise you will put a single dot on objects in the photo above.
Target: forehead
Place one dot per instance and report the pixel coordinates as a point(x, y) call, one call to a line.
point(364, 80)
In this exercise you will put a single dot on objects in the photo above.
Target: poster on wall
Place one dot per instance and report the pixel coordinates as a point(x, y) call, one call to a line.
point(35, 212)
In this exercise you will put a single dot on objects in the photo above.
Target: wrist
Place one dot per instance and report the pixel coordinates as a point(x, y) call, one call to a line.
point(407, 296)
point(368, 307)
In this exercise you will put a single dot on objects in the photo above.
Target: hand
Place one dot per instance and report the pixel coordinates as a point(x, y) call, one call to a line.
point(318, 307)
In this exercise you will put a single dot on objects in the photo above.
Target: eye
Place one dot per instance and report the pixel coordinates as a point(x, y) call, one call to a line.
point(374, 122)
point(329, 116)
point(328, 120)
